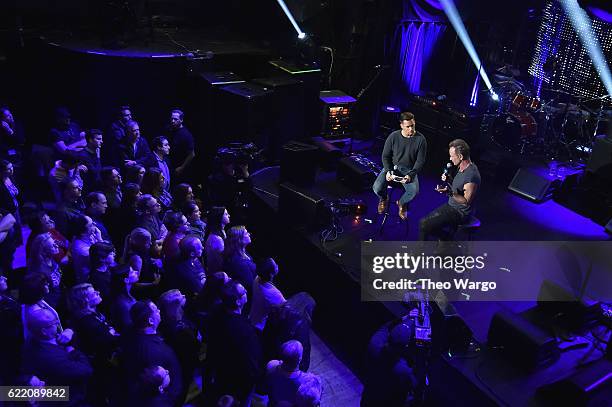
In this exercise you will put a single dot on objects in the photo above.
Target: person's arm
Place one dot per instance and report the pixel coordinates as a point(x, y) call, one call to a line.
point(420, 161)
point(469, 192)
point(387, 154)
point(7, 222)
point(181, 168)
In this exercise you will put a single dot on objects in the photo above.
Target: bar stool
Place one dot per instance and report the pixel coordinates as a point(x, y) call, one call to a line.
point(391, 187)
point(470, 226)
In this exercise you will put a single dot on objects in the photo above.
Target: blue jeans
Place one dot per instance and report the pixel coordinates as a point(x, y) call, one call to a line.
point(411, 189)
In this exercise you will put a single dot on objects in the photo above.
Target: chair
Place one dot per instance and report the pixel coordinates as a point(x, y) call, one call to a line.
point(470, 226)
point(391, 186)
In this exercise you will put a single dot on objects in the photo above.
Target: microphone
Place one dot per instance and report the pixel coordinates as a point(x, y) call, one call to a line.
point(447, 168)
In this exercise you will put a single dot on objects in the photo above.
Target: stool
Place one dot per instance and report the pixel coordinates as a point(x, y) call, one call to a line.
point(390, 189)
point(470, 226)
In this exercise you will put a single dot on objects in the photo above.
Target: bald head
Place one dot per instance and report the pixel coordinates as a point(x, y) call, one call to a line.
point(42, 324)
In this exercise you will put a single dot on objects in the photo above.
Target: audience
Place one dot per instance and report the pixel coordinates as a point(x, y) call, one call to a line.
point(42, 260)
point(177, 226)
point(218, 219)
point(188, 274)
point(70, 208)
point(90, 158)
point(111, 186)
point(183, 150)
point(123, 279)
point(40, 223)
point(101, 260)
point(265, 294)
point(66, 136)
point(238, 264)
point(86, 234)
point(197, 227)
point(133, 149)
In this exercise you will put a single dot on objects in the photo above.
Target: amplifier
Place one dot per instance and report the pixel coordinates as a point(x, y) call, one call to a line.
point(357, 172)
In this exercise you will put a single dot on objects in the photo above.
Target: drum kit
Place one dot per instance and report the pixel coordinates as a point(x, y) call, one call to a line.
point(558, 125)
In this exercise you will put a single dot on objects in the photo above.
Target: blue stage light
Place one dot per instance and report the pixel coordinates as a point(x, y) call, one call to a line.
point(494, 96)
point(301, 34)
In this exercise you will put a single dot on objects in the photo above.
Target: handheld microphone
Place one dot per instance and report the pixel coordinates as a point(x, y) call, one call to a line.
point(447, 168)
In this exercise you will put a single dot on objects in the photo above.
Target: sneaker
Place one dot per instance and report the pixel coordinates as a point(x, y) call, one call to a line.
point(403, 211)
point(382, 205)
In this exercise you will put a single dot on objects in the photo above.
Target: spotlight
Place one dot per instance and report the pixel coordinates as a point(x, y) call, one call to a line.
point(494, 96)
point(302, 35)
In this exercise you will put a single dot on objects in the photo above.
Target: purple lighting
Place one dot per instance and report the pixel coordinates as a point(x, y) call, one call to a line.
point(603, 15)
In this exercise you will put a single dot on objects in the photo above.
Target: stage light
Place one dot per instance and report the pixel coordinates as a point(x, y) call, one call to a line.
point(582, 24)
point(494, 96)
point(301, 34)
point(453, 15)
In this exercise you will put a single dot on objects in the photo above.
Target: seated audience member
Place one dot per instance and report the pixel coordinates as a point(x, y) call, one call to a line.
point(265, 294)
point(101, 260)
point(42, 260)
point(183, 194)
point(123, 220)
point(8, 241)
point(177, 226)
point(40, 223)
point(139, 243)
point(237, 262)
point(123, 279)
point(153, 183)
point(60, 364)
point(111, 186)
point(90, 158)
point(70, 208)
point(118, 129)
point(291, 320)
point(209, 299)
point(12, 138)
point(135, 174)
point(148, 218)
point(95, 207)
point(218, 219)
point(9, 195)
point(86, 234)
point(66, 168)
point(309, 392)
point(197, 227)
point(235, 356)
point(188, 275)
point(134, 149)
point(144, 347)
point(151, 388)
point(66, 136)
point(96, 338)
point(284, 377)
point(159, 159)
point(390, 380)
point(34, 288)
point(179, 333)
point(11, 334)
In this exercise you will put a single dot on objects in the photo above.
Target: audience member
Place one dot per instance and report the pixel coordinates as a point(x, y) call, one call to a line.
point(135, 174)
point(40, 223)
point(95, 207)
point(42, 260)
point(90, 158)
point(134, 148)
point(66, 136)
point(151, 388)
point(183, 147)
point(237, 263)
point(118, 128)
point(148, 218)
point(11, 334)
point(86, 234)
point(111, 186)
point(66, 168)
point(12, 137)
point(197, 227)
point(188, 274)
point(265, 294)
point(123, 279)
point(183, 193)
point(153, 183)
point(177, 226)
point(101, 260)
point(159, 159)
point(70, 208)
point(218, 219)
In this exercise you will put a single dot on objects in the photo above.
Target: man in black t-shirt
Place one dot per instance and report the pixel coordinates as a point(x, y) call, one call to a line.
point(183, 149)
point(403, 157)
point(461, 192)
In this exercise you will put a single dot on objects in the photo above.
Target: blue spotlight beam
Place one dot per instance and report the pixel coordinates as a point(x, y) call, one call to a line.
point(294, 23)
point(582, 24)
point(453, 15)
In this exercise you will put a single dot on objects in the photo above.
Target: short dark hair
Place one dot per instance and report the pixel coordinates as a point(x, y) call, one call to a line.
point(180, 113)
point(141, 312)
point(230, 294)
point(33, 288)
point(158, 141)
point(265, 268)
point(66, 181)
point(99, 251)
point(107, 172)
point(461, 147)
point(92, 198)
point(406, 116)
point(79, 225)
point(91, 133)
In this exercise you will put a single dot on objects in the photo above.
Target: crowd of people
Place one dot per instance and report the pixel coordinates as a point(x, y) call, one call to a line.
point(137, 281)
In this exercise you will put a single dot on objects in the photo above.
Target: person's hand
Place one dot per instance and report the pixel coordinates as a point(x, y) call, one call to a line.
point(442, 190)
point(444, 177)
point(129, 162)
point(156, 279)
point(82, 134)
point(389, 176)
point(7, 128)
point(405, 179)
point(82, 168)
point(157, 263)
point(65, 337)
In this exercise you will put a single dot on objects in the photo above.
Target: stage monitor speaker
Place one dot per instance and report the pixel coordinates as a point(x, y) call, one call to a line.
point(298, 163)
point(354, 174)
point(521, 340)
point(535, 187)
point(299, 207)
point(600, 162)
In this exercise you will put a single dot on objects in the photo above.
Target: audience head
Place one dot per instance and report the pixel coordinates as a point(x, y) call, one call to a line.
point(6, 169)
point(83, 299)
point(40, 222)
point(267, 269)
point(96, 203)
point(309, 392)
point(69, 161)
point(139, 240)
point(291, 355)
point(62, 117)
point(238, 238)
point(233, 296)
point(192, 212)
point(42, 325)
point(183, 193)
point(153, 181)
point(155, 380)
point(218, 218)
point(6, 115)
point(145, 315)
point(83, 226)
point(94, 139)
point(124, 114)
point(3, 284)
point(191, 247)
point(71, 189)
point(132, 133)
point(171, 304)
point(34, 287)
point(111, 178)
point(131, 193)
point(176, 222)
point(147, 205)
point(176, 118)
point(101, 254)
point(161, 146)
point(123, 277)
point(43, 247)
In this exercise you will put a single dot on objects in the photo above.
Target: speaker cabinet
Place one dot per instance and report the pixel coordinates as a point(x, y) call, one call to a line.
point(521, 340)
point(355, 174)
point(600, 162)
point(298, 163)
point(299, 207)
point(533, 186)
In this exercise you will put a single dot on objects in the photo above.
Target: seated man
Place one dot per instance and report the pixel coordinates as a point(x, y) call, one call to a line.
point(70, 207)
point(90, 158)
point(66, 137)
point(67, 167)
point(461, 193)
point(59, 365)
point(403, 157)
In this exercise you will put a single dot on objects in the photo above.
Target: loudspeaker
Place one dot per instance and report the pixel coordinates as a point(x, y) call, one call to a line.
point(521, 340)
point(300, 207)
point(355, 174)
point(298, 163)
point(329, 154)
point(535, 187)
point(600, 162)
